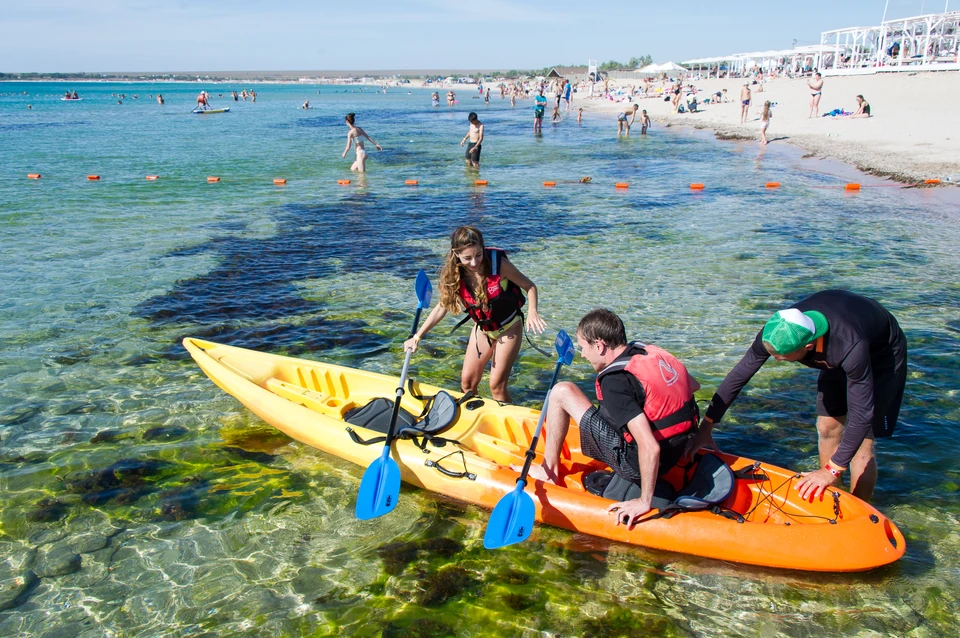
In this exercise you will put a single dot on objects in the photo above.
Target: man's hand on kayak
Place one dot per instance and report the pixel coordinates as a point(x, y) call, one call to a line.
point(629, 511)
point(812, 484)
point(539, 473)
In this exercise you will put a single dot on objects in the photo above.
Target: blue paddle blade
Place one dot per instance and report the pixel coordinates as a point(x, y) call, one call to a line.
point(424, 289)
point(379, 489)
point(565, 349)
point(511, 521)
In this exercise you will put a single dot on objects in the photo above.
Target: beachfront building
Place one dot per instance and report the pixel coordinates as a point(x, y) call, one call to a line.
point(921, 43)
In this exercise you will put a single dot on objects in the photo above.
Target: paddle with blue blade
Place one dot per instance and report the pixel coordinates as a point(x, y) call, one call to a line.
point(380, 486)
point(512, 519)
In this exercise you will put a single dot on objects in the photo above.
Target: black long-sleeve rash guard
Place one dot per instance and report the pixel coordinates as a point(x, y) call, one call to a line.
point(861, 332)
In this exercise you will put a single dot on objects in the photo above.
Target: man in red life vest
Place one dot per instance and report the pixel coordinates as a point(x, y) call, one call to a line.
point(647, 413)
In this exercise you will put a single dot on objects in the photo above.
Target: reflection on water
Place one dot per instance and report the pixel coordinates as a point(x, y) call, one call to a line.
point(141, 500)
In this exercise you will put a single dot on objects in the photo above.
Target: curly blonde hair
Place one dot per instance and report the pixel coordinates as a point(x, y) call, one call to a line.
point(453, 270)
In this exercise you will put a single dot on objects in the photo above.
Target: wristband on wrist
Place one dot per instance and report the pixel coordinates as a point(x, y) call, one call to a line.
point(833, 470)
point(416, 338)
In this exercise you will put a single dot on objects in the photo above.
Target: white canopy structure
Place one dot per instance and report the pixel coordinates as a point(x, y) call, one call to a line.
point(650, 69)
point(669, 67)
point(921, 43)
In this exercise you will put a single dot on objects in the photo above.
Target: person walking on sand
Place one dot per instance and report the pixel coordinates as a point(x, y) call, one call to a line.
point(483, 283)
point(744, 103)
point(765, 122)
point(815, 85)
point(475, 135)
point(355, 137)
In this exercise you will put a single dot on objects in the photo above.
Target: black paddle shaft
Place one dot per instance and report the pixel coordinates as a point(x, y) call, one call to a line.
point(403, 378)
point(532, 450)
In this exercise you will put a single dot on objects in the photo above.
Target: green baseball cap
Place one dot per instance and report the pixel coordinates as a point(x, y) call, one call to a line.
point(789, 330)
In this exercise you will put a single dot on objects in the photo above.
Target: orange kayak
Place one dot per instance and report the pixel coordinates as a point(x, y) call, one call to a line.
point(766, 523)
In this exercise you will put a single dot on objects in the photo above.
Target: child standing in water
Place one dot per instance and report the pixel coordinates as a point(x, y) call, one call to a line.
point(355, 137)
point(483, 283)
point(765, 122)
point(644, 122)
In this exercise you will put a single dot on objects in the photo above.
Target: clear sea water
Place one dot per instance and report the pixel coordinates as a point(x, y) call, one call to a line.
point(139, 499)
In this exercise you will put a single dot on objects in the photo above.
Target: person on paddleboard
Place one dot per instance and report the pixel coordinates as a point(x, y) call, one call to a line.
point(861, 353)
point(483, 283)
point(202, 102)
point(646, 417)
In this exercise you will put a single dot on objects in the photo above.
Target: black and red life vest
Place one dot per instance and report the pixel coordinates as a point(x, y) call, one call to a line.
point(668, 397)
point(503, 303)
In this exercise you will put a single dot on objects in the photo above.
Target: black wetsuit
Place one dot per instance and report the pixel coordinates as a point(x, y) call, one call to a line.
point(863, 363)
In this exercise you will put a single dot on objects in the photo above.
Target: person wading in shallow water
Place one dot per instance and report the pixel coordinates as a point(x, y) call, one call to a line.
point(355, 136)
point(861, 353)
point(483, 282)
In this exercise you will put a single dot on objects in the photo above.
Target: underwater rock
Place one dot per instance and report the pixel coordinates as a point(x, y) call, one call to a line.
point(56, 561)
point(256, 457)
point(48, 510)
point(419, 628)
point(396, 556)
point(124, 481)
point(446, 583)
point(16, 574)
point(309, 580)
point(165, 433)
point(105, 436)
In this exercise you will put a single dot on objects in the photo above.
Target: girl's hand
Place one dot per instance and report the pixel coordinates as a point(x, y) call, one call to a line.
point(379, 148)
point(535, 324)
point(344, 154)
point(410, 345)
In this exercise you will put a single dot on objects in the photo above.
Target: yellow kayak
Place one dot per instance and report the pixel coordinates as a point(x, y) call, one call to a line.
point(763, 521)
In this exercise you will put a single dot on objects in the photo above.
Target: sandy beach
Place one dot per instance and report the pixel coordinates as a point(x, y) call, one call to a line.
point(913, 135)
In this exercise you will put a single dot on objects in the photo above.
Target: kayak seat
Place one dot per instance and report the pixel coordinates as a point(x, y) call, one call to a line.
point(710, 484)
point(440, 412)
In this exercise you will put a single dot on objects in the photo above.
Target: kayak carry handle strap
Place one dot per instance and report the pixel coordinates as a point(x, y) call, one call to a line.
point(451, 473)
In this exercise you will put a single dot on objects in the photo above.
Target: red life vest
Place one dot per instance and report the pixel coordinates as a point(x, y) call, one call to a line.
point(503, 304)
point(669, 403)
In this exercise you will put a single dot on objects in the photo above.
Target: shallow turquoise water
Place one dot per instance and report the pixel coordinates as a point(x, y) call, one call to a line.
point(141, 500)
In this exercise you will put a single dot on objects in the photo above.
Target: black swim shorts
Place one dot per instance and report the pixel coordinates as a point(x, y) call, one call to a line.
point(475, 157)
point(889, 380)
point(601, 441)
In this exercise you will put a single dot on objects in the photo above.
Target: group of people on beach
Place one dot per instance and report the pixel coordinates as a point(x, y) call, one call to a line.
point(647, 420)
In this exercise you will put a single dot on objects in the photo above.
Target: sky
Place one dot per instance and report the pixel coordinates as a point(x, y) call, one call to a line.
point(253, 35)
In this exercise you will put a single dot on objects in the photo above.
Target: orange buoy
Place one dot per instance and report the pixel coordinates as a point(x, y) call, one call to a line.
point(279, 181)
point(931, 181)
point(480, 182)
point(152, 178)
point(33, 175)
point(213, 179)
point(343, 182)
point(93, 178)
point(773, 184)
point(411, 182)
point(696, 187)
point(852, 187)
point(622, 185)
point(549, 183)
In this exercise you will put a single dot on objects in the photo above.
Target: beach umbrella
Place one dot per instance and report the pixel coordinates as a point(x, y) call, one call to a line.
point(671, 66)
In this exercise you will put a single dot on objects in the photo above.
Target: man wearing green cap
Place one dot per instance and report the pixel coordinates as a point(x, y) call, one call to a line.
point(862, 356)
